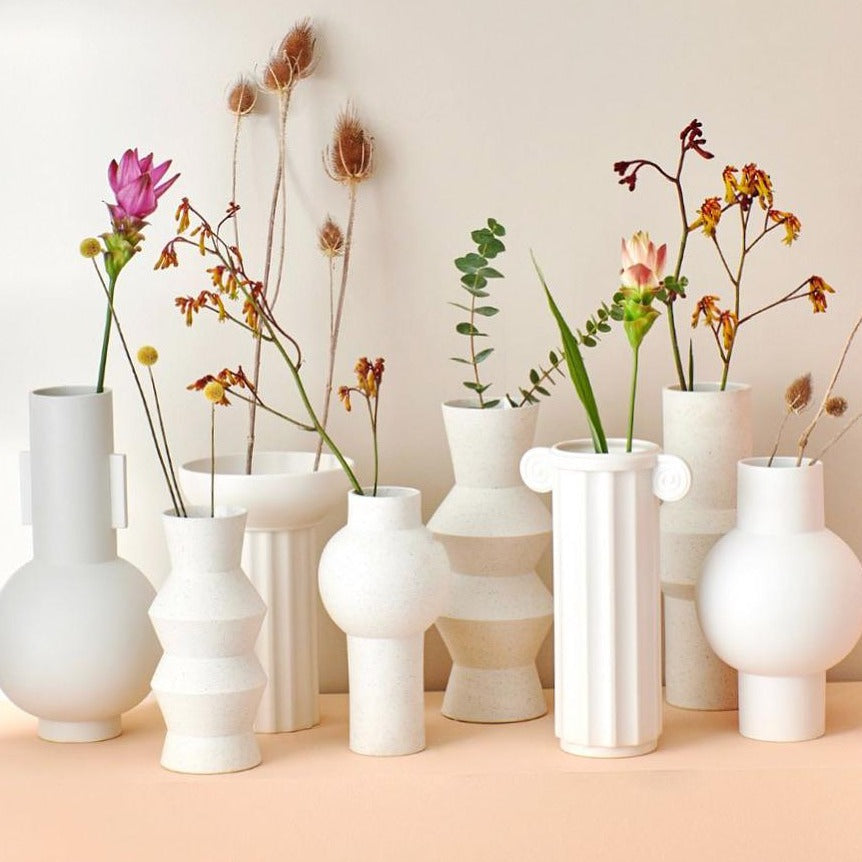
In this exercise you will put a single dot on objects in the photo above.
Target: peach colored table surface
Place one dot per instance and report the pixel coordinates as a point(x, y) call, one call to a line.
point(479, 792)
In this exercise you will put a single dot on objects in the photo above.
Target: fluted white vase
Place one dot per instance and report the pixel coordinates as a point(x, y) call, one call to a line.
point(384, 579)
point(711, 429)
point(494, 530)
point(76, 646)
point(780, 599)
point(207, 616)
point(286, 500)
point(606, 590)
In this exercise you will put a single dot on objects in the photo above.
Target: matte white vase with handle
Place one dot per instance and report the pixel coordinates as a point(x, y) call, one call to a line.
point(76, 646)
point(711, 430)
point(780, 599)
point(494, 530)
point(286, 500)
point(207, 615)
point(607, 632)
point(384, 579)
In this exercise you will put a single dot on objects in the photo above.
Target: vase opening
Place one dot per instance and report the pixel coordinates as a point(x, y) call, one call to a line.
point(267, 464)
point(69, 391)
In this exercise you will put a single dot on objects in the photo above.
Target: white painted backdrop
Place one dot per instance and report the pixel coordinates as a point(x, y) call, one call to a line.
point(479, 109)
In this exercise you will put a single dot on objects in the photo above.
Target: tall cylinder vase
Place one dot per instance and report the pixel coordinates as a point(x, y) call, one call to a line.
point(76, 646)
point(606, 590)
point(207, 615)
point(781, 599)
point(711, 429)
point(494, 530)
point(286, 499)
point(384, 580)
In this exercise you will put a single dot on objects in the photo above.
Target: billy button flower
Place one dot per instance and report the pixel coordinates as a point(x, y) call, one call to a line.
point(90, 247)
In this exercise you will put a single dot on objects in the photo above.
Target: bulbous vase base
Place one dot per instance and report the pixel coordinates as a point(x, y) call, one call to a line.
point(201, 755)
point(79, 731)
point(494, 695)
point(782, 708)
point(602, 751)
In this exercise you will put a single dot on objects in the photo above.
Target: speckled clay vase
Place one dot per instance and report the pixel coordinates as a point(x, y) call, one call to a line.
point(76, 646)
point(780, 599)
point(286, 500)
point(384, 579)
point(607, 632)
point(207, 615)
point(494, 530)
point(711, 430)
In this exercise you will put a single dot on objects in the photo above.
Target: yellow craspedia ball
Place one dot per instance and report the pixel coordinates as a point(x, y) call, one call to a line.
point(148, 355)
point(214, 391)
point(90, 247)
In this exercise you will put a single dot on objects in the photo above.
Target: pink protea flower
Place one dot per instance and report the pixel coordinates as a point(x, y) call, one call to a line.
point(134, 182)
point(642, 263)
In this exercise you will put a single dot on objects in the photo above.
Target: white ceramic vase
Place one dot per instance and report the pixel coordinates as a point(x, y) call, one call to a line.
point(384, 579)
point(207, 616)
point(711, 430)
point(607, 632)
point(494, 530)
point(780, 599)
point(286, 500)
point(76, 646)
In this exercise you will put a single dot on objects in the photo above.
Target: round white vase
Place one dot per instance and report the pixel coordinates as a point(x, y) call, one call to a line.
point(780, 599)
point(207, 616)
point(384, 580)
point(76, 646)
point(607, 632)
point(711, 430)
point(494, 530)
point(285, 499)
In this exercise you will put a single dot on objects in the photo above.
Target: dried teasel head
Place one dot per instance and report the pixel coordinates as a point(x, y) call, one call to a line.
point(797, 396)
point(330, 239)
point(298, 49)
point(242, 97)
point(836, 405)
point(278, 74)
point(350, 158)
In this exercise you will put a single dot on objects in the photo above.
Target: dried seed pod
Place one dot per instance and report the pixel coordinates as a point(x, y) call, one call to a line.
point(350, 158)
point(298, 49)
point(330, 239)
point(242, 97)
point(278, 74)
point(797, 396)
point(836, 405)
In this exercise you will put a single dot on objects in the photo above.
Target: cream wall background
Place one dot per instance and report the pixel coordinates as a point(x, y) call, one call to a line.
point(478, 109)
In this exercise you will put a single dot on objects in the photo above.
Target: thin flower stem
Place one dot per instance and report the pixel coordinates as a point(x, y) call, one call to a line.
point(787, 298)
point(233, 176)
point(282, 143)
point(165, 440)
point(774, 451)
point(632, 401)
point(272, 410)
point(212, 460)
point(837, 437)
point(106, 337)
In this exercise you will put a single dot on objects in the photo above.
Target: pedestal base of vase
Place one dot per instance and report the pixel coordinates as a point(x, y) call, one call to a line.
point(494, 696)
point(387, 696)
point(782, 709)
point(600, 751)
point(79, 731)
point(210, 756)
point(695, 677)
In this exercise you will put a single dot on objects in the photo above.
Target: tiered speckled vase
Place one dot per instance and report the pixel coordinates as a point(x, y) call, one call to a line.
point(607, 632)
point(207, 615)
point(780, 599)
point(76, 646)
point(384, 579)
point(286, 500)
point(711, 430)
point(494, 530)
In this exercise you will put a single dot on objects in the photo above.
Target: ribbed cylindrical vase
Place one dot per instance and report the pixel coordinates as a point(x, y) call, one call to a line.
point(286, 500)
point(384, 579)
point(494, 530)
point(711, 430)
point(207, 616)
point(76, 646)
point(606, 590)
point(780, 599)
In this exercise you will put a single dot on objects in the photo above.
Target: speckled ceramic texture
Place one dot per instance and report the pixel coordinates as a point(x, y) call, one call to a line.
point(384, 579)
point(494, 530)
point(207, 616)
point(711, 430)
point(286, 500)
point(780, 599)
point(607, 633)
point(76, 646)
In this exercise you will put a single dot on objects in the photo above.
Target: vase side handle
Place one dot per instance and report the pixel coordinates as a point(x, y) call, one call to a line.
point(537, 470)
point(119, 506)
point(26, 489)
point(671, 478)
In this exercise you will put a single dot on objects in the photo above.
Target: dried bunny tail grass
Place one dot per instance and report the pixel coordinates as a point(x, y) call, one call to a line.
point(836, 405)
point(242, 97)
point(350, 158)
point(330, 238)
point(798, 394)
point(298, 48)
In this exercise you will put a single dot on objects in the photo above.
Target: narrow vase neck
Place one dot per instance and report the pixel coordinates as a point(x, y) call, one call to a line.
point(392, 509)
point(779, 499)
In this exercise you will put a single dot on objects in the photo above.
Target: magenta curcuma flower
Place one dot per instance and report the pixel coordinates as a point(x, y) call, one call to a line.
point(134, 182)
